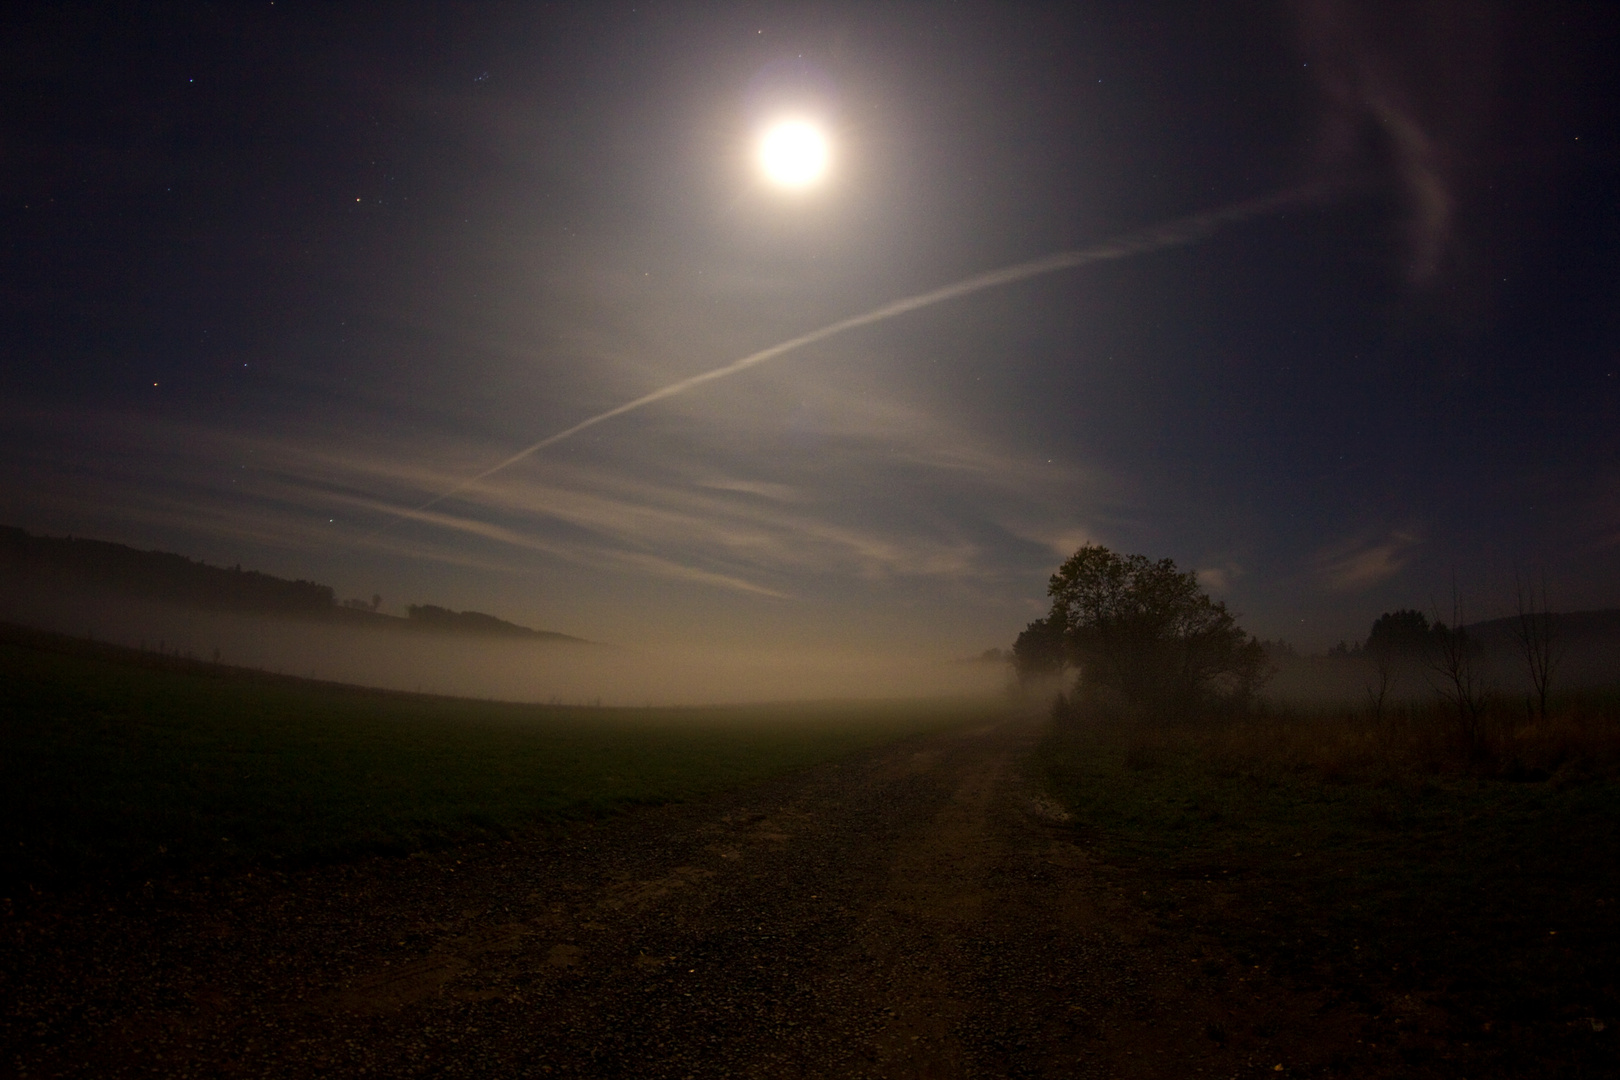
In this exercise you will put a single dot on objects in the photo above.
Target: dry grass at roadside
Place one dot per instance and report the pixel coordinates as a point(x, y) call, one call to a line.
point(1580, 741)
point(1460, 895)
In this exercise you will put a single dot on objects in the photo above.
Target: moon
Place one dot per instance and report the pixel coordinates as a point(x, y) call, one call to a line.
point(793, 154)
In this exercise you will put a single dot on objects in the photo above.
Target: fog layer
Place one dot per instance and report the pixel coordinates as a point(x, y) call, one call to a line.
point(514, 670)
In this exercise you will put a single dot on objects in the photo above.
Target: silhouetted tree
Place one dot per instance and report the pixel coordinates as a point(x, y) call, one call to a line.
point(1144, 633)
point(1405, 633)
point(1279, 650)
point(1396, 636)
point(1038, 652)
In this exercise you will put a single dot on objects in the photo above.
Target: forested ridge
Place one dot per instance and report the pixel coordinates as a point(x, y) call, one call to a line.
point(75, 565)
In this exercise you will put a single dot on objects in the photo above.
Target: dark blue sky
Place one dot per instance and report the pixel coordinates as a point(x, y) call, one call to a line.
point(274, 272)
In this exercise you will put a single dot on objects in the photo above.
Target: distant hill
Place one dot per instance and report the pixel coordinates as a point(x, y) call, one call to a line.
point(74, 563)
point(1572, 627)
point(1587, 646)
point(432, 617)
point(51, 565)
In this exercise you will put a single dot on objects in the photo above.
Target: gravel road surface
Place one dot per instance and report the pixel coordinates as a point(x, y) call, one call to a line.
point(913, 911)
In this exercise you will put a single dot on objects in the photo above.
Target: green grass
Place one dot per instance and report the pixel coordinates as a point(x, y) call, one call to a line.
point(1471, 919)
point(114, 765)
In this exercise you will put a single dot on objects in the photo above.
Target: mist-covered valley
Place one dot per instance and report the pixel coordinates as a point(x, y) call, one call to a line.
point(489, 666)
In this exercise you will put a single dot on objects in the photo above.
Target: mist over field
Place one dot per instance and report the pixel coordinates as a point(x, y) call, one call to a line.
point(512, 670)
point(1584, 661)
point(839, 539)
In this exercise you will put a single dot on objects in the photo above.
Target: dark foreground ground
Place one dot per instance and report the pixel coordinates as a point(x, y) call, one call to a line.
point(910, 911)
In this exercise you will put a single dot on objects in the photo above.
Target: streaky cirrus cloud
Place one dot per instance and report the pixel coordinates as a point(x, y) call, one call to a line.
point(686, 517)
point(1361, 562)
point(1420, 75)
point(1170, 234)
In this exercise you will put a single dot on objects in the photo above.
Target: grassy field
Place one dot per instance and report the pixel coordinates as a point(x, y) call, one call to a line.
point(1466, 906)
point(116, 764)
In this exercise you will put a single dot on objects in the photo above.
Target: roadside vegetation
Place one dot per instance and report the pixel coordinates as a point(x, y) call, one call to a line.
point(1465, 907)
point(1446, 867)
point(119, 764)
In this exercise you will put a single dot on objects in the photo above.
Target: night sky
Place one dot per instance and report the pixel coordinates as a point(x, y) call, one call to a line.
point(277, 275)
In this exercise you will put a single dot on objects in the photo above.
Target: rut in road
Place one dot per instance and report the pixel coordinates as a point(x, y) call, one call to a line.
point(910, 911)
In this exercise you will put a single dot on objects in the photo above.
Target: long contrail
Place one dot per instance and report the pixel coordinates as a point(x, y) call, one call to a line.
point(1171, 234)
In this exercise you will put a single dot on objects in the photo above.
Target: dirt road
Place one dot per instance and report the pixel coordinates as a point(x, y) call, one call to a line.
point(913, 911)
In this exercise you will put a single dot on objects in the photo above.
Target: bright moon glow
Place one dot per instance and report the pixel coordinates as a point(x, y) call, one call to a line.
point(793, 153)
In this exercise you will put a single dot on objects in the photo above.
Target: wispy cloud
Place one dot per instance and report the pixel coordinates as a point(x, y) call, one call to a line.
point(1361, 562)
point(890, 494)
point(1169, 234)
point(776, 492)
point(1219, 579)
point(1418, 74)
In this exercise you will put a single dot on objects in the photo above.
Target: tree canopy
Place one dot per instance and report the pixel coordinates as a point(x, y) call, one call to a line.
point(1142, 634)
point(1402, 633)
point(1038, 652)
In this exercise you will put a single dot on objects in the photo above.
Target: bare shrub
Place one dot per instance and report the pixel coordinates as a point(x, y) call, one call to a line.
point(1456, 663)
point(1537, 636)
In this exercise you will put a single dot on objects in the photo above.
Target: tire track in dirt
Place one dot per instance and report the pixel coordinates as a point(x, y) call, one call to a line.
point(909, 912)
point(934, 899)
